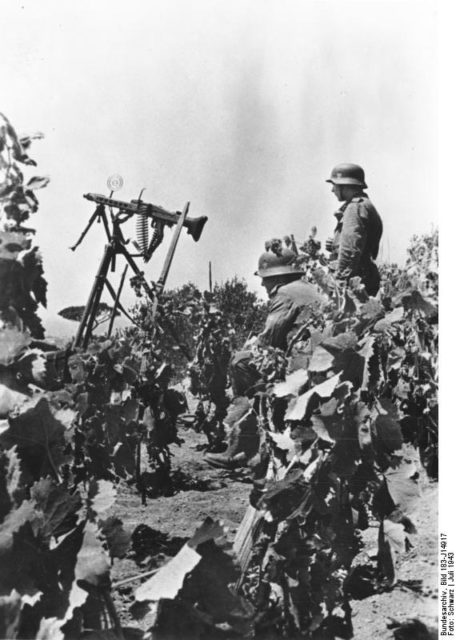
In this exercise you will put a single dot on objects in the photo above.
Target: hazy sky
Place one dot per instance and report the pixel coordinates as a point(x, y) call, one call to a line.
point(242, 108)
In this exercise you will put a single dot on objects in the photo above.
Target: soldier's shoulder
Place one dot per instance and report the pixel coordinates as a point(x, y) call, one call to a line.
point(300, 292)
point(360, 199)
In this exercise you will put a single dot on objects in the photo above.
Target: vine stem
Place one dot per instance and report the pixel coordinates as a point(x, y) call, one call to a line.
point(113, 613)
point(139, 576)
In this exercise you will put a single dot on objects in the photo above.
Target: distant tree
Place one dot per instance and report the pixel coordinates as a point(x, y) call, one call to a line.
point(75, 313)
point(183, 311)
point(242, 308)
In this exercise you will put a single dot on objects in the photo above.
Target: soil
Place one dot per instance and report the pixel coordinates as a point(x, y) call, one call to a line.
point(224, 495)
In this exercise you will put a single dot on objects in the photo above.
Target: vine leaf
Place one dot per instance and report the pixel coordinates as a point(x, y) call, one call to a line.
point(297, 408)
point(388, 433)
point(414, 300)
point(54, 506)
point(92, 564)
point(10, 400)
point(38, 182)
point(292, 385)
point(167, 582)
point(33, 275)
point(39, 438)
point(391, 318)
point(13, 523)
point(117, 538)
point(284, 441)
point(12, 491)
point(101, 495)
point(12, 243)
point(12, 343)
point(321, 360)
point(50, 629)
point(10, 610)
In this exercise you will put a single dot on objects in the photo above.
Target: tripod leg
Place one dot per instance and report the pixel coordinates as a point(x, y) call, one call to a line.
point(91, 308)
point(137, 272)
point(116, 301)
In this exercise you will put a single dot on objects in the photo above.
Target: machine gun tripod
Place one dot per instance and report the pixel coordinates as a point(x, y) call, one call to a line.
point(117, 246)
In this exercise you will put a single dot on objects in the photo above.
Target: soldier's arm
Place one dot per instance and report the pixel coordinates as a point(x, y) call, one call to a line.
point(352, 240)
point(282, 314)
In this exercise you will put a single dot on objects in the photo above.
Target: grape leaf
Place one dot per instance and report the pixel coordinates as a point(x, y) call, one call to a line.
point(12, 343)
point(50, 629)
point(297, 408)
point(38, 182)
point(54, 507)
point(39, 438)
point(13, 523)
point(388, 433)
point(341, 342)
point(391, 318)
point(414, 300)
point(33, 275)
point(12, 243)
point(117, 538)
point(284, 441)
point(9, 400)
point(12, 490)
point(321, 360)
point(10, 611)
point(371, 309)
point(168, 581)
point(101, 495)
point(292, 385)
point(92, 564)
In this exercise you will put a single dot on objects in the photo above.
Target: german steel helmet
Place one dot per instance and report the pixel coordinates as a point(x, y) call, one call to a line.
point(279, 263)
point(348, 173)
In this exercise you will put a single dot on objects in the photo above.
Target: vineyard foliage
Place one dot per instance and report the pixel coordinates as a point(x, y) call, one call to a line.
point(182, 314)
point(347, 421)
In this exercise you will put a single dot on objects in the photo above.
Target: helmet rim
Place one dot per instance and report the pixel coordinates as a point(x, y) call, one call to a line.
point(283, 270)
point(348, 174)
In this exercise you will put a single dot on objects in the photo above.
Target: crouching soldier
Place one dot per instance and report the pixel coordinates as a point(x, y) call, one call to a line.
point(291, 303)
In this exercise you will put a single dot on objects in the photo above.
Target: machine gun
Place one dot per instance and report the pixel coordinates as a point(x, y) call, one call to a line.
point(159, 218)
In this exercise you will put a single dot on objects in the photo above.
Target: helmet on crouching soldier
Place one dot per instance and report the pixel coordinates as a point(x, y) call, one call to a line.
point(277, 261)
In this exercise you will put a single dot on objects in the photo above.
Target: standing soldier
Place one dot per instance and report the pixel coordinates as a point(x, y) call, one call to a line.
point(358, 231)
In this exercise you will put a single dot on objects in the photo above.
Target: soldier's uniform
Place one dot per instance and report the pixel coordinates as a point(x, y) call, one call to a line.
point(358, 230)
point(291, 304)
point(356, 242)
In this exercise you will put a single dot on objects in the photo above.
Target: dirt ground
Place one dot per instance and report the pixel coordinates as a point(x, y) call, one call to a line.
point(225, 496)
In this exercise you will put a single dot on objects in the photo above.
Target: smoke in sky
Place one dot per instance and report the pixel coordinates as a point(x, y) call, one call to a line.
point(241, 108)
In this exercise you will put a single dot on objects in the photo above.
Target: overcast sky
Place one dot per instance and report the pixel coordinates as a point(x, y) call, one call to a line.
point(241, 108)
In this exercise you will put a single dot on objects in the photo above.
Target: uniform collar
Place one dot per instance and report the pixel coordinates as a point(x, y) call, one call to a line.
point(274, 290)
point(340, 211)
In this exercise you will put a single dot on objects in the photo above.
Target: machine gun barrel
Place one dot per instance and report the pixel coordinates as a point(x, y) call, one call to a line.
point(194, 226)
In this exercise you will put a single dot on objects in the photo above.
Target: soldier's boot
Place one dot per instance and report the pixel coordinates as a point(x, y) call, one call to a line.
point(243, 444)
